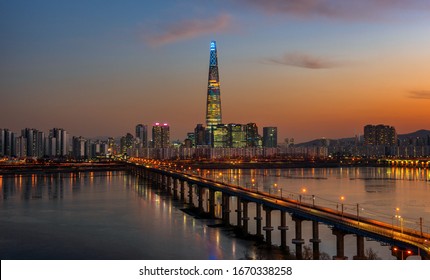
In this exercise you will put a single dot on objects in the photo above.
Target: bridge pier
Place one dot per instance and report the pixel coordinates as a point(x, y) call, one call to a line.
point(163, 181)
point(360, 248)
point(190, 194)
point(283, 228)
point(200, 199)
point(315, 241)
point(225, 208)
point(175, 188)
point(211, 203)
point(245, 217)
point(258, 219)
point(340, 246)
point(268, 228)
point(169, 183)
point(239, 211)
point(182, 190)
point(298, 240)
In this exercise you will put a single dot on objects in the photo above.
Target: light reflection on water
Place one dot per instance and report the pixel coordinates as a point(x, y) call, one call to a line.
point(374, 192)
point(104, 215)
point(112, 215)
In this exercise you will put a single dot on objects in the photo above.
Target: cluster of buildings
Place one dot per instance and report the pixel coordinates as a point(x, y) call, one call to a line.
point(33, 143)
point(214, 140)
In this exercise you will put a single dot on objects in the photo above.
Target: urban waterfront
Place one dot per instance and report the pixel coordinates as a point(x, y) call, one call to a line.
point(114, 215)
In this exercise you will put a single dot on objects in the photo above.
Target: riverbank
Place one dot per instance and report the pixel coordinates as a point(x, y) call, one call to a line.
point(47, 168)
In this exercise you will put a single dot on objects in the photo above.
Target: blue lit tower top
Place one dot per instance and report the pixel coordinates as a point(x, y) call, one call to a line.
point(213, 104)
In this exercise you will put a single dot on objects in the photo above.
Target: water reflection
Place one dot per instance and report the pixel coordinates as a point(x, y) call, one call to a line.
point(102, 216)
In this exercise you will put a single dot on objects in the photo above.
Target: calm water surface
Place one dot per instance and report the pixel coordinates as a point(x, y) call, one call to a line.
point(102, 216)
point(113, 215)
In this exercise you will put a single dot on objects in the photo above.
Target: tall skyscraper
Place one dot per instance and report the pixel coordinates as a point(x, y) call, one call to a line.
point(270, 137)
point(213, 104)
point(161, 135)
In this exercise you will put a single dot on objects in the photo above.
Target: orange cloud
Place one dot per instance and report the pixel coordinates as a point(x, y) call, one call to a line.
point(189, 29)
point(419, 94)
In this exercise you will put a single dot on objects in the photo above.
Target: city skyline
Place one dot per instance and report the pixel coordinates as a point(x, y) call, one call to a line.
point(312, 70)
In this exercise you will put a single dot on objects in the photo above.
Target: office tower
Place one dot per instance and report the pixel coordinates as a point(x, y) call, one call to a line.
point(220, 136)
point(380, 135)
point(142, 135)
point(270, 137)
point(252, 136)
point(161, 135)
point(213, 104)
point(236, 136)
point(200, 135)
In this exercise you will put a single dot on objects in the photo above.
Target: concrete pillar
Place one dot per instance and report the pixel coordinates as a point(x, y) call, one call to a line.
point(245, 217)
point(225, 208)
point(239, 211)
point(169, 183)
point(298, 240)
point(340, 246)
point(315, 241)
point(360, 248)
point(200, 198)
point(182, 190)
point(175, 188)
point(283, 228)
point(258, 219)
point(268, 228)
point(163, 181)
point(211, 203)
point(190, 194)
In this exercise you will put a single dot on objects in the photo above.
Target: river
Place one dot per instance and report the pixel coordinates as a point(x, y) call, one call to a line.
point(114, 215)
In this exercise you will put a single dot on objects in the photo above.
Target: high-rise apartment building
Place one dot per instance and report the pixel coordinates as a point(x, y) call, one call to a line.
point(270, 137)
point(142, 135)
point(200, 135)
point(7, 139)
point(160, 135)
point(380, 135)
point(35, 142)
point(57, 143)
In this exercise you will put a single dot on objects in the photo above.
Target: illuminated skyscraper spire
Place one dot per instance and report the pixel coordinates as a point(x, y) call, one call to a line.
point(213, 104)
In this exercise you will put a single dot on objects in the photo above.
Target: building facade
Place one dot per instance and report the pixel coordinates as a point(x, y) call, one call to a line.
point(270, 137)
point(160, 135)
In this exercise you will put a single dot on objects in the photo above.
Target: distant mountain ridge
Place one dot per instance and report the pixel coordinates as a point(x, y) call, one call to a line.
point(422, 133)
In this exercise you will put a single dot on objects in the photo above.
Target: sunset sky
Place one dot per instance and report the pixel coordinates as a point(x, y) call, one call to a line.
point(313, 68)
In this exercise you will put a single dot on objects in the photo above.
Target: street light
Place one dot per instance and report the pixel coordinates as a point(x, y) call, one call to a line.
point(342, 198)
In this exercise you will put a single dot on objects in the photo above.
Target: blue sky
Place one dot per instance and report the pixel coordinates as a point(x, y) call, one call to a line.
point(314, 68)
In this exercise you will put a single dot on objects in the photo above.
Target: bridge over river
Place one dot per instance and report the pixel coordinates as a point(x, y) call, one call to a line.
point(403, 241)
